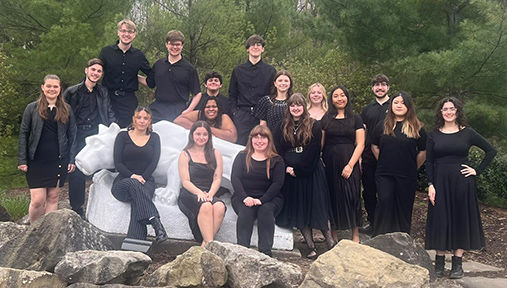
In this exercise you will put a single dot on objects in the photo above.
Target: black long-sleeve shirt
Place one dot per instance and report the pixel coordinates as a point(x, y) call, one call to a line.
point(255, 183)
point(132, 159)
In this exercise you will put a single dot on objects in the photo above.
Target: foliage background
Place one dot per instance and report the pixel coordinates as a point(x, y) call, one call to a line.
point(431, 48)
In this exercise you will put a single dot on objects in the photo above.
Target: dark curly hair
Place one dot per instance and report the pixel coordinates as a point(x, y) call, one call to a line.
point(461, 120)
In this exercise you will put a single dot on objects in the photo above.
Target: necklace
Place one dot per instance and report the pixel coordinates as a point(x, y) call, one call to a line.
point(296, 127)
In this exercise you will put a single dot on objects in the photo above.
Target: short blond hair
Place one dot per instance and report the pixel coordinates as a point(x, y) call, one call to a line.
point(129, 23)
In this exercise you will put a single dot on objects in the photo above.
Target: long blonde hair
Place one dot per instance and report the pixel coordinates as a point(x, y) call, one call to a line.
point(270, 150)
point(411, 124)
point(62, 110)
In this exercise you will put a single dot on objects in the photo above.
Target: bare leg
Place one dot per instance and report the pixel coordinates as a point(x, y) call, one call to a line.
point(37, 203)
point(52, 196)
point(205, 221)
point(218, 217)
point(335, 235)
point(442, 253)
point(458, 252)
point(355, 234)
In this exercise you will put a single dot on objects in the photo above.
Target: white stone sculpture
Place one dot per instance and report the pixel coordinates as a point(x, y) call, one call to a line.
point(111, 215)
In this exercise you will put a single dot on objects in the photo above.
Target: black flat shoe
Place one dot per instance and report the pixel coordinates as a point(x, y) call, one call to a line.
point(312, 255)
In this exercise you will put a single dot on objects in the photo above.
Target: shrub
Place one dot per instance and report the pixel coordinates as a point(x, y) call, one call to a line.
point(17, 206)
point(492, 183)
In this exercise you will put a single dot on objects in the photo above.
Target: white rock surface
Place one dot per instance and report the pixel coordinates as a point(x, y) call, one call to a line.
point(111, 215)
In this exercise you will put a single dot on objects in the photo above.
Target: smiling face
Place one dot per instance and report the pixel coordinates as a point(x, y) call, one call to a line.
point(94, 73)
point(449, 112)
point(213, 85)
point(126, 34)
point(142, 120)
point(339, 99)
point(399, 108)
point(200, 136)
point(380, 89)
point(260, 143)
point(211, 109)
point(51, 89)
point(316, 95)
point(282, 83)
point(174, 48)
point(296, 110)
point(255, 50)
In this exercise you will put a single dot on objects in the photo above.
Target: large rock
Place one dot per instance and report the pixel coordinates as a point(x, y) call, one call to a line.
point(9, 230)
point(102, 267)
point(4, 215)
point(402, 246)
point(250, 268)
point(45, 242)
point(350, 264)
point(88, 285)
point(10, 278)
point(197, 267)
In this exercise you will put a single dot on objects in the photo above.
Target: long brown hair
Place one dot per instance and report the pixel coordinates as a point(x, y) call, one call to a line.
point(461, 120)
point(270, 150)
point(149, 129)
point(62, 110)
point(209, 152)
point(302, 135)
point(274, 91)
point(411, 124)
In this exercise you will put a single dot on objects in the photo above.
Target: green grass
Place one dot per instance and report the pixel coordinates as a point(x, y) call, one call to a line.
point(17, 206)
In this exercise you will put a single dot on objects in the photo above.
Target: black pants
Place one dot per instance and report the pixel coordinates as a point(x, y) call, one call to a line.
point(123, 106)
point(166, 110)
point(395, 203)
point(244, 122)
point(77, 180)
point(369, 188)
point(264, 214)
point(141, 206)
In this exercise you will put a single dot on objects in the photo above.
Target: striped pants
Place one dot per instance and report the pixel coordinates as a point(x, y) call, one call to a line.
point(141, 206)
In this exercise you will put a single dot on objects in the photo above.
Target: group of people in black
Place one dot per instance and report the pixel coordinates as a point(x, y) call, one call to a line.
point(302, 167)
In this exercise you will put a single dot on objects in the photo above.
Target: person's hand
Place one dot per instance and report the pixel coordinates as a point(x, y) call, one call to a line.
point(209, 197)
point(431, 194)
point(138, 178)
point(202, 196)
point(257, 202)
point(289, 170)
point(467, 171)
point(23, 167)
point(71, 168)
point(249, 201)
point(347, 170)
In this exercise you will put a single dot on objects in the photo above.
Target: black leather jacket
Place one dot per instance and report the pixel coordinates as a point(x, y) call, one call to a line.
point(31, 130)
point(106, 113)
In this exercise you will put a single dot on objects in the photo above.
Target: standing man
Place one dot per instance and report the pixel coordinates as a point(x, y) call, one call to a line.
point(372, 114)
point(249, 82)
point(90, 104)
point(175, 78)
point(122, 62)
point(213, 83)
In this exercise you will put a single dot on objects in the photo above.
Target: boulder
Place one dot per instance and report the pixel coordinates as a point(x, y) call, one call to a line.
point(28, 279)
point(4, 215)
point(402, 246)
point(350, 264)
point(197, 267)
point(45, 242)
point(88, 285)
point(250, 268)
point(9, 230)
point(102, 267)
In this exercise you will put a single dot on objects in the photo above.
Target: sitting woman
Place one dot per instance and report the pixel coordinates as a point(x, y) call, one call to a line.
point(200, 168)
point(257, 178)
point(136, 155)
point(220, 123)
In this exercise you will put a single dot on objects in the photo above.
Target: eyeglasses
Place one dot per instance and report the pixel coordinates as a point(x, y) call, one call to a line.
point(123, 31)
point(452, 109)
point(210, 106)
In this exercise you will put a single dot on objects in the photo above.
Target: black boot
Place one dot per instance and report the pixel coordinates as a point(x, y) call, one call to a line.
point(457, 269)
point(160, 234)
point(439, 265)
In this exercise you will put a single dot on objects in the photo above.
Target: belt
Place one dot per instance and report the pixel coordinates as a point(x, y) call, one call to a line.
point(118, 93)
point(86, 127)
point(247, 108)
point(298, 149)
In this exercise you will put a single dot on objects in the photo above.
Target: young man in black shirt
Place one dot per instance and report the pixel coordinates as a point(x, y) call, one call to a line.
point(213, 83)
point(122, 62)
point(249, 82)
point(372, 114)
point(90, 104)
point(175, 78)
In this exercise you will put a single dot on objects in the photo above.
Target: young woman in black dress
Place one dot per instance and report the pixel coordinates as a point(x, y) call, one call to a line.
point(454, 221)
point(305, 189)
point(257, 178)
point(46, 151)
point(343, 142)
point(211, 112)
point(136, 155)
point(200, 168)
point(399, 144)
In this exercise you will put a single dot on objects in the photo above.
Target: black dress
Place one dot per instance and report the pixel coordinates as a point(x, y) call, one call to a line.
point(47, 167)
point(454, 222)
point(201, 175)
point(339, 146)
point(306, 195)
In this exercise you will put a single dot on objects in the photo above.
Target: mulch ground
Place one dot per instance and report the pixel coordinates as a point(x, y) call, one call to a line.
point(494, 223)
